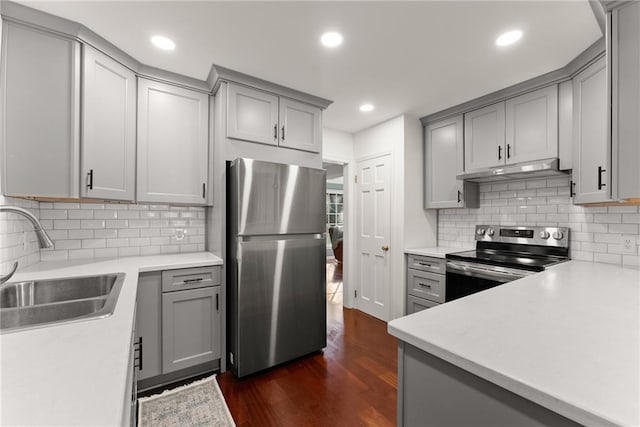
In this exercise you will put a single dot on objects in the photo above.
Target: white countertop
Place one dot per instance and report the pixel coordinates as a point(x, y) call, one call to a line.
point(76, 374)
point(567, 338)
point(436, 251)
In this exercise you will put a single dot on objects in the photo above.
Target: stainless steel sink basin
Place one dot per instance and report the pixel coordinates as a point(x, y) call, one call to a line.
point(27, 305)
point(21, 294)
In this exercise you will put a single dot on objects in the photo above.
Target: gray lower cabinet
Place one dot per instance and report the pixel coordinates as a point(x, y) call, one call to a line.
point(148, 324)
point(425, 282)
point(434, 392)
point(190, 328)
point(177, 324)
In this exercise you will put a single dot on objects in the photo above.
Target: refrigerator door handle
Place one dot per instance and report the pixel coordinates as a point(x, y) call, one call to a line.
point(282, 237)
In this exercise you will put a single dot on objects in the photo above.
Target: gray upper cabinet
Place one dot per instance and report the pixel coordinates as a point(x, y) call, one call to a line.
point(40, 81)
point(625, 91)
point(444, 159)
point(591, 147)
point(258, 116)
point(108, 128)
point(532, 126)
point(522, 129)
point(484, 137)
point(252, 115)
point(300, 126)
point(173, 144)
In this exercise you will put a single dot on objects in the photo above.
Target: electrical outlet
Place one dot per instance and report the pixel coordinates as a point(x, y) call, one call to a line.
point(629, 245)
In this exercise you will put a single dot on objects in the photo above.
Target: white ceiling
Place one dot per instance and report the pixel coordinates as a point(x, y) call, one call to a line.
point(404, 57)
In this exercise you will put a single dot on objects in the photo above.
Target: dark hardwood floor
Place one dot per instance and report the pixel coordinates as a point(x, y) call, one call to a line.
point(352, 382)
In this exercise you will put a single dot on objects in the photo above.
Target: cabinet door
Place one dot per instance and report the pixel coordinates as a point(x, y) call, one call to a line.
point(444, 159)
point(108, 128)
point(591, 143)
point(40, 81)
point(252, 115)
point(300, 126)
point(172, 144)
point(190, 328)
point(484, 137)
point(532, 126)
point(148, 323)
point(625, 87)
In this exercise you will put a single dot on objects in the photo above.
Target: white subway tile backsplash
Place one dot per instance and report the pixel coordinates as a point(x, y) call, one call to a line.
point(99, 230)
point(596, 232)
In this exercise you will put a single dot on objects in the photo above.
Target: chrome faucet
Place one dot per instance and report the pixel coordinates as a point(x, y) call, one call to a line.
point(43, 238)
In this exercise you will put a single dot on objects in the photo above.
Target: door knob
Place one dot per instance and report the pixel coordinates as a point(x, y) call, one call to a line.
point(385, 248)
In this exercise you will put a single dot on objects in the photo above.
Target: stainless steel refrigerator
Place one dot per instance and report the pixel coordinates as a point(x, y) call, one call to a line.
point(276, 258)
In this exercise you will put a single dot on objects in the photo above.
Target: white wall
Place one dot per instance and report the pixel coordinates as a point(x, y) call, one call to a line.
point(337, 147)
point(421, 226)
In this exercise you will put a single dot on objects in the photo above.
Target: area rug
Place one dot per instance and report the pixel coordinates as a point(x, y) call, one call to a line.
point(197, 404)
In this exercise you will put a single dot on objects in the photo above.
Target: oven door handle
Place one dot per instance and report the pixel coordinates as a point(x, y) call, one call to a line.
point(499, 274)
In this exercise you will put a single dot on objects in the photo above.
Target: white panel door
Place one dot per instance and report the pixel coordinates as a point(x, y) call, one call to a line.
point(108, 141)
point(374, 211)
point(532, 126)
point(444, 159)
point(591, 143)
point(484, 134)
point(173, 147)
point(252, 115)
point(300, 126)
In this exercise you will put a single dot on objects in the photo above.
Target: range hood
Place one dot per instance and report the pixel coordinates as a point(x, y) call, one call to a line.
point(535, 169)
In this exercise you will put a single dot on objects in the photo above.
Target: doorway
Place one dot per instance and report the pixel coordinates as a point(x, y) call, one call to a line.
point(335, 227)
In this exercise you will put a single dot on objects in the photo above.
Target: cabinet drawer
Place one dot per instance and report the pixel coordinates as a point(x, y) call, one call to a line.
point(425, 285)
point(190, 278)
point(435, 265)
point(415, 305)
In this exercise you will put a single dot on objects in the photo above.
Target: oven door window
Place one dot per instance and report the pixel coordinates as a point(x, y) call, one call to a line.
point(459, 285)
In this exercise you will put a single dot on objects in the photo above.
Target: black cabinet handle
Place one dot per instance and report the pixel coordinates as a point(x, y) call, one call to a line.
point(459, 196)
point(600, 184)
point(283, 133)
point(275, 131)
point(572, 185)
point(508, 151)
point(139, 350)
point(199, 279)
point(217, 302)
point(499, 152)
point(204, 189)
point(90, 179)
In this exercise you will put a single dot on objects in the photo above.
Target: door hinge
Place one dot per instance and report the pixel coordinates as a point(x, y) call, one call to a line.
point(355, 179)
point(355, 293)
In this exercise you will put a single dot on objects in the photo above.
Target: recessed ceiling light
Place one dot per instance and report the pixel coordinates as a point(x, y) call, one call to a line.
point(162, 42)
point(365, 108)
point(331, 39)
point(508, 38)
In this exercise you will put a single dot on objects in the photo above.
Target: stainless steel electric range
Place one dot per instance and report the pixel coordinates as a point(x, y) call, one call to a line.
point(503, 254)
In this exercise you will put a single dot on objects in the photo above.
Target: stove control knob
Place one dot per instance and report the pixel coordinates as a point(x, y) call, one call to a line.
point(480, 231)
point(558, 235)
point(490, 232)
point(544, 234)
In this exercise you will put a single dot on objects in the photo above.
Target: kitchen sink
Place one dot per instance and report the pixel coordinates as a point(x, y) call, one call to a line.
point(30, 304)
point(21, 294)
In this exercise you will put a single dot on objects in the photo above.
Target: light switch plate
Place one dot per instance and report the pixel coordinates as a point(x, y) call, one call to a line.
point(629, 244)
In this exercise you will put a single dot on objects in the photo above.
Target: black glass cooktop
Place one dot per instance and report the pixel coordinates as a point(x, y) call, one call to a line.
point(521, 260)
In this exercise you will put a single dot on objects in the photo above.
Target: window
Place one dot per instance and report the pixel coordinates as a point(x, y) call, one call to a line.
point(335, 215)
